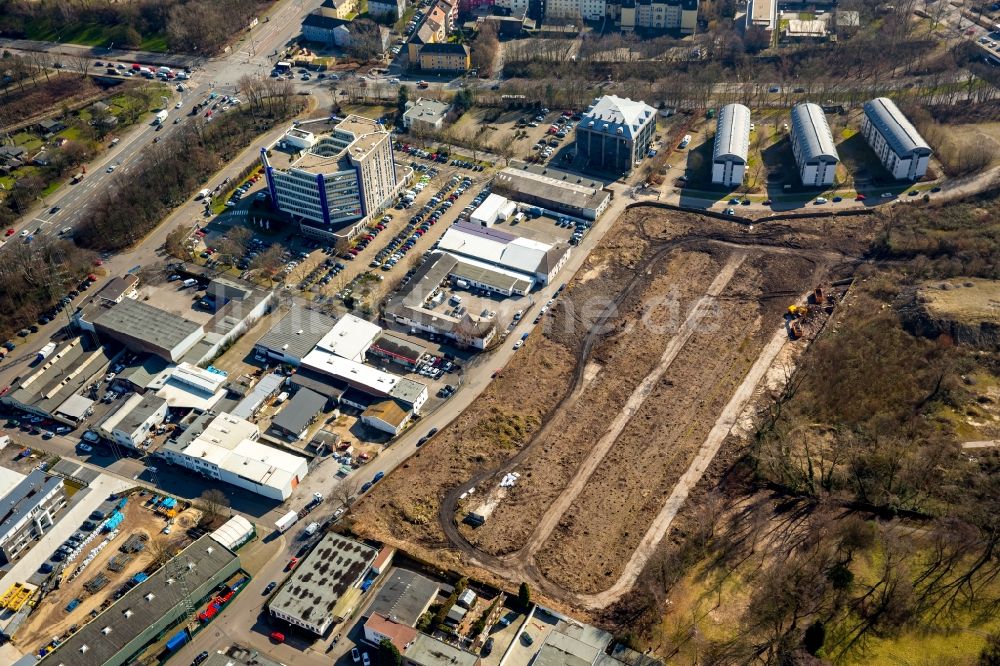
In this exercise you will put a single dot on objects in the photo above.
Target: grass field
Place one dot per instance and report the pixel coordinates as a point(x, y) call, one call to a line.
point(88, 34)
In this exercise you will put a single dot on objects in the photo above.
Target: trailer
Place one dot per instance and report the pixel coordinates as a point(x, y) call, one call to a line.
point(286, 521)
point(44, 352)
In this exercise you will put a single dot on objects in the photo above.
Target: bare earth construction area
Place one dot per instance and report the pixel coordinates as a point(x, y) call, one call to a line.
point(614, 410)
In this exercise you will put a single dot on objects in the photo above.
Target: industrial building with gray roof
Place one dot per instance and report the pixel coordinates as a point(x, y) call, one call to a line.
point(149, 609)
point(58, 381)
point(142, 327)
point(295, 335)
point(557, 191)
point(812, 145)
point(299, 412)
point(404, 597)
point(896, 141)
point(732, 145)
point(324, 586)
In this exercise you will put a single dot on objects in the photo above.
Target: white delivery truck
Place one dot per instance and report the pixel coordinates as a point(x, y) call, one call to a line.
point(160, 117)
point(286, 521)
point(312, 528)
point(44, 352)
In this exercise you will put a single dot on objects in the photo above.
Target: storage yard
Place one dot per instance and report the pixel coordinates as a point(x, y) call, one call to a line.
point(139, 543)
point(638, 372)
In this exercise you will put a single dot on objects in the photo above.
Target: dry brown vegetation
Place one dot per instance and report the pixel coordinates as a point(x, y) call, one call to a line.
point(667, 260)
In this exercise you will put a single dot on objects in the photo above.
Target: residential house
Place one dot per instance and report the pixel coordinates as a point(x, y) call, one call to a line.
point(341, 9)
point(447, 57)
point(50, 127)
point(328, 30)
point(387, 8)
point(430, 32)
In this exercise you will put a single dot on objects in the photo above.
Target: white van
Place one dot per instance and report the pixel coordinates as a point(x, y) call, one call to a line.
point(190, 282)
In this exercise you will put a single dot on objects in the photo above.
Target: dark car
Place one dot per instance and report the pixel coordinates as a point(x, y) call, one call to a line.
point(487, 647)
point(270, 586)
point(200, 658)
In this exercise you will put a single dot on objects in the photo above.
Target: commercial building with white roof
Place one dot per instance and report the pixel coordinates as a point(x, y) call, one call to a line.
point(131, 423)
point(732, 144)
point(188, 386)
point(560, 192)
point(350, 338)
point(367, 379)
point(227, 450)
point(903, 152)
point(614, 133)
point(812, 145)
point(493, 210)
point(533, 259)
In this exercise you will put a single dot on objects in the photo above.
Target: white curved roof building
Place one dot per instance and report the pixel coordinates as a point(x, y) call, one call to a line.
point(812, 144)
point(732, 145)
point(899, 146)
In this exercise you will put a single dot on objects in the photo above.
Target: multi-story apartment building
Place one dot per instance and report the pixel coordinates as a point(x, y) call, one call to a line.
point(678, 15)
point(903, 152)
point(588, 10)
point(28, 512)
point(341, 179)
point(448, 57)
point(813, 147)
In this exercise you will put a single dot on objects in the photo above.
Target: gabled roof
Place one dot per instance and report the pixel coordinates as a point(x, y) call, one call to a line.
point(615, 115)
point(813, 133)
point(316, 20)
point(897, 130)
point(732, 132)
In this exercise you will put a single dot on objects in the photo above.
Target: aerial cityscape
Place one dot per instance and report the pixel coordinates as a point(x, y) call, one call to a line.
point(500, 332)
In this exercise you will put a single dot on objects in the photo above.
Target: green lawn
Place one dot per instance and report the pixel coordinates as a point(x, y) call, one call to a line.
point(70, 133)
point(28, 141)
point(51, 187)
point(88, 34)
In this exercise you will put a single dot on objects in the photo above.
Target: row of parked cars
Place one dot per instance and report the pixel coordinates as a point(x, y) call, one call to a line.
point(323, 274)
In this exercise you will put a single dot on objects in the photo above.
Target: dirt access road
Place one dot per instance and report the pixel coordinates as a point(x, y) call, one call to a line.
point(621, 422)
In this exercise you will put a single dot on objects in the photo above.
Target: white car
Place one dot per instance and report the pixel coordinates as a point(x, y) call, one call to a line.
point(355, 655)
point(112, 168)
point(365, 660)
point(86, 448)
point(178, 105)
point(518, 344)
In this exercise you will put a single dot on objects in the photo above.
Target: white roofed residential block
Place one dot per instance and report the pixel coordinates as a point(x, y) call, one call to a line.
point(617, 115)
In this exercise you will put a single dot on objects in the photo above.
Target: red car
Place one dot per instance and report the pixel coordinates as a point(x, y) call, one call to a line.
point(292, 563)
point(860, 197)
point(9, 232)
point(98, 262)
point(277, 637)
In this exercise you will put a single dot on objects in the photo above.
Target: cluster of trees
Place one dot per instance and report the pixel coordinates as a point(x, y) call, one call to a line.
point(190, 26)
point(171, 170)
point(34, 276)
point(484, 49)
point(366, 40)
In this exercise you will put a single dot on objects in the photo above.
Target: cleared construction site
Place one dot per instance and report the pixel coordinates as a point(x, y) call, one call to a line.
point(657, 347)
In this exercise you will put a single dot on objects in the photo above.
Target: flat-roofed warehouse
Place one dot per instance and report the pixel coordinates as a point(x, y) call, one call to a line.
point(143, 328)
point(903, 152)
point(812, 145)
point(325, 586)
point(565, 196)
point(54, 388)
point(150, 609)
point(404, 597)
point(295, 335)
point(732, 145)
